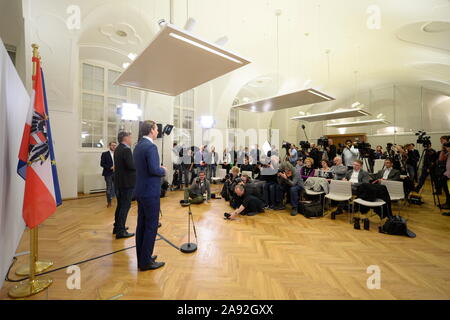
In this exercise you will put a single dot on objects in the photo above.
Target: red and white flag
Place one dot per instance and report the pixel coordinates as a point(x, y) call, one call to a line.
point(36, 159)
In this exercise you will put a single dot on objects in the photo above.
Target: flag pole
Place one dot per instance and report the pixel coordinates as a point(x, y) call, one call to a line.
point(32, 285)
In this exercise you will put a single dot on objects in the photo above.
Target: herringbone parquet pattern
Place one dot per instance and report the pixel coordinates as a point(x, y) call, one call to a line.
point(268, 256)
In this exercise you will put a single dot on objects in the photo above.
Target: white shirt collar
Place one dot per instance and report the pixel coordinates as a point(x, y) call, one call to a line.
point(148, 138)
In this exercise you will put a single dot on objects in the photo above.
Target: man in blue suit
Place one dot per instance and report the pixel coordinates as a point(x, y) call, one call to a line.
point(147, 192)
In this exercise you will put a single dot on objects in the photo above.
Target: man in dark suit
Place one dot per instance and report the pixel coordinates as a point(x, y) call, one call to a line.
point(148, 190)
point(388, 173)
point(356, 176)
point(107, 163)
point(124, 180)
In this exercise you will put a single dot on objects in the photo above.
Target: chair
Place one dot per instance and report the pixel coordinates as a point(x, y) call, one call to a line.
point(379, 164)
point(339, 191)
point(249, 173)
point(221, 173)
point(370, 204)
point(396, 191)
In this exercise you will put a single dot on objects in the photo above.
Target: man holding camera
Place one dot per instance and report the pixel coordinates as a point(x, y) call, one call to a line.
point(251, 203)
point(331, 150)
point(200, 187)
point(289, 182)
point(349, 154)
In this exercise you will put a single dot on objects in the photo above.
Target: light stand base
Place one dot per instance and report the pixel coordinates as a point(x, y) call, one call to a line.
point(188, 248)
point(28, 288)
point(41, 265)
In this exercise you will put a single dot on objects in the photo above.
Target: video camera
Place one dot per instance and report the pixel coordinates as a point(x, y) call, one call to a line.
point(305, 145)
point(423, 139)
point(286, 145)
point(364, 149)
point(322, 141)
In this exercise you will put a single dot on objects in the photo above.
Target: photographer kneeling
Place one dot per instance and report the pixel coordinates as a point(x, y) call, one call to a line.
point(200, 186)
point(290, 182)
point(251, 203)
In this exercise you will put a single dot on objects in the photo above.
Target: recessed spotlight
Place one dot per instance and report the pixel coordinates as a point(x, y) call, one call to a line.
point(132, 56)
point(121, 33)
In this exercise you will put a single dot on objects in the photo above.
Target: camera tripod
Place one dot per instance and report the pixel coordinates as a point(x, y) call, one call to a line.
point(436, 198)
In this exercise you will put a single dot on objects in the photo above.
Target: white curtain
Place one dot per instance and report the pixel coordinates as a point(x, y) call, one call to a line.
point(14, 103)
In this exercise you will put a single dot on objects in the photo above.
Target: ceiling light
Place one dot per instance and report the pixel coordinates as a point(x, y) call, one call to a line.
point(207, 122)
point(121, 33)
point(125, 65)
point(284, 101)
point(338, 114)
point(358, 123)
point(199, 45)
point(132, 56)
point(129, 111)
point(320, 95)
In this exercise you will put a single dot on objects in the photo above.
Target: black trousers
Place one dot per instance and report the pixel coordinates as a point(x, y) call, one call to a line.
point(146, 229)
point(124, 196)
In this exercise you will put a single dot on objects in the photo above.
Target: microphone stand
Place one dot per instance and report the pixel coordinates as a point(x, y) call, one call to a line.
point(190, 247)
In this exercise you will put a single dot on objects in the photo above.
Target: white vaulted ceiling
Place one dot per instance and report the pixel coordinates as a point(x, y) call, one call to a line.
point(319, 43)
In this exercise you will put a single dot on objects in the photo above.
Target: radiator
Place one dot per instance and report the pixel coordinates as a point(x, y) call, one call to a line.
point(94, 182)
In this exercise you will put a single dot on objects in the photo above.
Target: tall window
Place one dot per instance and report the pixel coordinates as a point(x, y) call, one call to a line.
point(100, 98)
point(183, 118)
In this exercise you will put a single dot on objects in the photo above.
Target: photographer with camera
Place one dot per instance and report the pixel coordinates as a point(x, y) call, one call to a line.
point(378, 154)
point(441, 164)
point(331, 150)
point(292, 155)
point(251, 204)
point(231, 180)
point(349, 154)
point(412, 160)
point(390, 151)
point(198, 190)
point(446, 177)
point(288, 182)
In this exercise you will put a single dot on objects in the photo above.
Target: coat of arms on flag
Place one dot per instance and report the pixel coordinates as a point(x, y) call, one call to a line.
point(37, 159)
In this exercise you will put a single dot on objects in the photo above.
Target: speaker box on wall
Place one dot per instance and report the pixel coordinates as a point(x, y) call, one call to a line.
point(160, 128)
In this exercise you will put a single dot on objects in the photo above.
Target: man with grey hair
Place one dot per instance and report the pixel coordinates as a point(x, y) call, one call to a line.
point(289, 180)
point(338, 170)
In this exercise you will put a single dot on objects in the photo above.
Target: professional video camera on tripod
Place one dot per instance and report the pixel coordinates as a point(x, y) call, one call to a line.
point(366, 154)
point(428, 158)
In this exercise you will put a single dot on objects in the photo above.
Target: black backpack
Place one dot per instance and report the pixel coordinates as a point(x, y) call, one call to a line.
point(310, 209)
point(396, 225)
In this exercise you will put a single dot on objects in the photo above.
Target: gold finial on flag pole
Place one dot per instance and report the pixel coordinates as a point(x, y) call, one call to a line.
point(32, 285)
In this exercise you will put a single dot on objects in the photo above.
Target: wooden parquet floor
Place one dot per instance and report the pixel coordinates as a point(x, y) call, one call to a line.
point(268, 256)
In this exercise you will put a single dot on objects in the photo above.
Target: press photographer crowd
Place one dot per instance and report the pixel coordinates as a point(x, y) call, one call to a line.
point(300, 179)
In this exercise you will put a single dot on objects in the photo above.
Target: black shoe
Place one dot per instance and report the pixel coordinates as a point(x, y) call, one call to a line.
point(366, 224)
point(152, 266)
point(447, 214)
point(124, 235)
point(279, 207)
point(115, 231)
point(294, 211)
point(356, 224)
point(153, 257)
